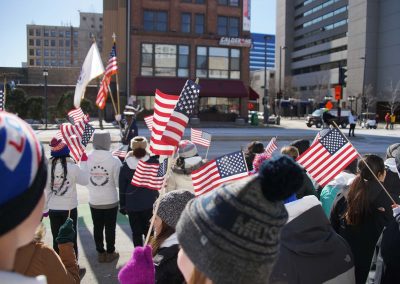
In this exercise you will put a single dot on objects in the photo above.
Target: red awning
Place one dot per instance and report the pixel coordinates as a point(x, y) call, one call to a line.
point(253, 95)
point(145, 86)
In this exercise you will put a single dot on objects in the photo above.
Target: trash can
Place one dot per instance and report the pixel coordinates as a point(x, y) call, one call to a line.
point(254, 119)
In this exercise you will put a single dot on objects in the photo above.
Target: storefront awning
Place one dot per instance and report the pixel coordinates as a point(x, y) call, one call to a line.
point(253, 95)
point(146, 86)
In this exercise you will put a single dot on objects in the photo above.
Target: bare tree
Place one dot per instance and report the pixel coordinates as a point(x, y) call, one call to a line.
point(393, 95)
point(321, 87)
point(369, 99)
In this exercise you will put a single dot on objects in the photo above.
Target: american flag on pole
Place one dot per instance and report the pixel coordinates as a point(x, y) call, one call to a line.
point(200, 137)
point(163, 106)
point(76, 114)
point(121, 151)
point(1, 100)
point(328, 156)
point(177, 123)
point(150, 175)
point(111, 69)
point(271, 147)
point(223, 169)
point(149, 121)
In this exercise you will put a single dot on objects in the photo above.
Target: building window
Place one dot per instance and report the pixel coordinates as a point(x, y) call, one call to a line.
point(218, 62)
point(61, 53)
point(38, 42)
point(67, 53)
point(61, 42)
point(185, 22)
point(233, 3)
point(53, 33)
point(38, 52)
point(31, 62)
point(75, 42)
point(228, 26)
point(31, 42)
point(75, 53)
point(67, 42)
point(61, 33)
point(75, 34)
point(46, 62)
point(219, 105)
point(53, 62)
point(38, 62)
point(45, 52)
point(53, 52)
point(155, 21)
point(31, 52)
point(199, 24)
point(53, 42)
point(31, 32)
point(67, 34)
point(46, 42)
point(84, 18)
point(165, 60)
point(46, 32)
point(61, 62)
point(38, 32)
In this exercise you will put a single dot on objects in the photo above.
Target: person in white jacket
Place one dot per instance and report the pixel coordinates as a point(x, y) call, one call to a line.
point(61, 196)
point(103, 195)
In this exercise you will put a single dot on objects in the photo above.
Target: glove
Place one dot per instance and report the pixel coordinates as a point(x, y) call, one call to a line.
point(45, 214)
point(118, 117)
point(139, 269)
point(123, 211)
point(66, 234)
point(84, 157)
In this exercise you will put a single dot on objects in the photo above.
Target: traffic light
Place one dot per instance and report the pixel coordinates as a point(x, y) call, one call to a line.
point(342, 76)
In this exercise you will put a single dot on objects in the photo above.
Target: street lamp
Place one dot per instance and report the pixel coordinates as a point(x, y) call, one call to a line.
point(351, 100)
point(265, 98)
point(280, 78)
point(45, 74)
point(363, 100)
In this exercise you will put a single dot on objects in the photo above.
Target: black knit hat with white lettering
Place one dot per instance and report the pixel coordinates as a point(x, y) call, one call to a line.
point(232, 233)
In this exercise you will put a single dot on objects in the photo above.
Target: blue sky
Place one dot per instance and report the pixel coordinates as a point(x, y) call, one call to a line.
point(16, 14)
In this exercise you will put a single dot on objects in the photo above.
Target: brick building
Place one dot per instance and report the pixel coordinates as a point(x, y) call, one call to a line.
point(170, 41)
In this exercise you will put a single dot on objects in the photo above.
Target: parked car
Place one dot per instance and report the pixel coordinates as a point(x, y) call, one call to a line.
point(316, 118)
point(273, 119)
point(368, 120)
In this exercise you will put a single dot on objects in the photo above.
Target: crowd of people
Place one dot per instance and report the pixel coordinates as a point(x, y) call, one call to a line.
point(275, 226)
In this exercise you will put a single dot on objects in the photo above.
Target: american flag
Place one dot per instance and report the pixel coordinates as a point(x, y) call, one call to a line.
point(328, 156)
point(1, 100)
point(111, 69)
point(149, 121)
point(200, 137)
point(176, 125)
point(150, 175)
point(76, 136)
point(271, 147)
point(76, 114)
point(121, 151)
point(163, 106)
point(226, 168)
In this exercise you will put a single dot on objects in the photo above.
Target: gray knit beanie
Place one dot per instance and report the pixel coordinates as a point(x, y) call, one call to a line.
point(101, 140)
point(232, 233)
point(172, 205)
point(392, 150)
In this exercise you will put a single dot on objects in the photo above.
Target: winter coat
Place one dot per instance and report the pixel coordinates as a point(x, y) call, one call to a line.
point(15, 278)
point(182, 178)
point(309, 250)
point(165, 262)
point(307, 188)
point(37, 258)
point(103, 170)
point(133, 198)
point(128, 132)
point(65, 198)
point(392, 180)
point(362, 238)
point(329, 192)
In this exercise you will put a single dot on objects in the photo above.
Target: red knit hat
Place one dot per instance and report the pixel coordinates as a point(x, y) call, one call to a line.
point(58, 148)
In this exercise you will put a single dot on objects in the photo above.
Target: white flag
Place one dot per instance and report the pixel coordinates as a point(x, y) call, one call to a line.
point(92, 67)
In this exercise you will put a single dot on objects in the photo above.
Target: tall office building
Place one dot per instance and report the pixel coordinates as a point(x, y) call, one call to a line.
point(262, 51)
point(63, 46)
point(315, 37)
point(170, 41)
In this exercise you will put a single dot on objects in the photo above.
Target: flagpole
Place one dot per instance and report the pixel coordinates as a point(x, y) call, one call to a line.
point(208, 148)
point(116, 77)
point(366, 164)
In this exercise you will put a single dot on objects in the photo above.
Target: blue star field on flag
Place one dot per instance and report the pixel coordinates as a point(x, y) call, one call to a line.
point(231, 164)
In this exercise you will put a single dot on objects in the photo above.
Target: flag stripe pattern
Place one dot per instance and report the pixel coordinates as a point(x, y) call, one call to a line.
point(149, 122)
point(1, 100)
point(176, 125)
point(76, 114)
point(271, 147)
point(200, 137)
point(163, 106)
point(121, 151)
point(328, 156)
point(111, 69)
point(223, 169)
point(150, 175)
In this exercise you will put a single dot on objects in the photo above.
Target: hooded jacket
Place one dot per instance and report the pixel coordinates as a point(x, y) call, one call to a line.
point(329, 192)
point(133, 198)
point(310, 250)
point(392, 180)
point(103, 170)
point(37, 258)
point(182, 178)
point(65, 198)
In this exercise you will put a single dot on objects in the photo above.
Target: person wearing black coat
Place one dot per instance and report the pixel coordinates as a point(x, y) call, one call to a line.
point(136, 202)
point(360, 212)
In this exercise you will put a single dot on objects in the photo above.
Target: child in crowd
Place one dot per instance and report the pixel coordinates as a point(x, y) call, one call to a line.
point(103, 170)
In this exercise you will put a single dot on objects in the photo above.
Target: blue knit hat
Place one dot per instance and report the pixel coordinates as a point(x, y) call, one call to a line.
point(23, 171)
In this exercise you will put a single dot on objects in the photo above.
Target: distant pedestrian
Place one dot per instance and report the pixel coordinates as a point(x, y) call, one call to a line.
point(387, 120)
point(352, 122)
point(253, 148)
point(392, 120)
